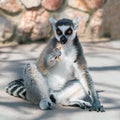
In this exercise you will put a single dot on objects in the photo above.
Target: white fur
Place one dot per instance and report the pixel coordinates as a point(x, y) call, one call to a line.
point(63, 70)
point(9, 90)
point(15, 93)
point(45, 103)
point(63, 28)
point(21, 93)
point(72, 92)
point(55, 80)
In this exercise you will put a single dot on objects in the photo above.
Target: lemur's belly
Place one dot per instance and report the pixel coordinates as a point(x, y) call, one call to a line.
point(60, 74)
point(63, 71)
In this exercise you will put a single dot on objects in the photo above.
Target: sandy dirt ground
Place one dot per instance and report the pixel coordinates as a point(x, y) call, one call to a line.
point(104, 63)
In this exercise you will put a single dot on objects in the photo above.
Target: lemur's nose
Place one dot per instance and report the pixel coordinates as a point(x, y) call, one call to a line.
point(63, 39)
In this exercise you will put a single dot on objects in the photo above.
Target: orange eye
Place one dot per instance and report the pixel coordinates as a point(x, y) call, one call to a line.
point(58, 32)
point(69, 31)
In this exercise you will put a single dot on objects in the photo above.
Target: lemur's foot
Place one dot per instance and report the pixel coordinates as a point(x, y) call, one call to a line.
point(26, 69)
point(80, 103)
point(96, 106)
point(30, 73)
point(31, 69)
point(46, 104)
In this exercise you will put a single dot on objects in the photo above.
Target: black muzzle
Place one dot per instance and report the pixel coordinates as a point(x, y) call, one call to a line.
point(63, 40)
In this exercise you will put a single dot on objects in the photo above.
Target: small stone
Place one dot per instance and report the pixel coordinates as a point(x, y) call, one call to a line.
point(112, 19)
point(42, 27)
point(52, 4)
point(31, 3)
point(6, 29)
point(94, 4)
point(35, 24)
point(10, 6)
point(96, 24)
point(78, 4)
point(27, 21)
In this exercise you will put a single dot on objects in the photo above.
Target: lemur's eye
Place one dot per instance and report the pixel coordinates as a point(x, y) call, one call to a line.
point(58, 31)
point(69, 31)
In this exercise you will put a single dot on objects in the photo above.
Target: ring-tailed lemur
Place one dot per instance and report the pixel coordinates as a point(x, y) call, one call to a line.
point(66, 82)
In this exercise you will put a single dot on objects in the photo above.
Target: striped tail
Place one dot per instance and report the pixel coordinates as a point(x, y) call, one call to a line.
point(16, 88)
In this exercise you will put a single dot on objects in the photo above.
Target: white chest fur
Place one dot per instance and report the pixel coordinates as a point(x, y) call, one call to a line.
point(63, 70)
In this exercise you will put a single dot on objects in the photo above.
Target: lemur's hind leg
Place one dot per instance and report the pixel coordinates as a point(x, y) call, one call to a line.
point(74, 95)
point(32, 93)
point(80, 103)
point(36, 87)
point(82, 100)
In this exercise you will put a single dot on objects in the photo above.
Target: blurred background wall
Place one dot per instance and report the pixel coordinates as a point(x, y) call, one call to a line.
point(28, 20)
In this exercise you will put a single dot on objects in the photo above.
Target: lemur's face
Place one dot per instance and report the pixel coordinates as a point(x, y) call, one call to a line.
point(64, 29)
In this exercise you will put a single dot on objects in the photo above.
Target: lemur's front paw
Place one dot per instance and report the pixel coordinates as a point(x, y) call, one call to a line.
point(53, 58)
point(96, 106)
point(56, 53)
point(46, 104)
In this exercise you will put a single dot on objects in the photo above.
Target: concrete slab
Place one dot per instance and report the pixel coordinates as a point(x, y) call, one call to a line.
point(104, 64)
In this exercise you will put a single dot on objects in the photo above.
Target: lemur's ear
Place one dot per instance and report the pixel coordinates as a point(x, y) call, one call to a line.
point(52, 21)
point(76, 22)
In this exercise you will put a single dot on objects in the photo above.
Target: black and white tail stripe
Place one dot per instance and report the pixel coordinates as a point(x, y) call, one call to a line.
point(16, 88)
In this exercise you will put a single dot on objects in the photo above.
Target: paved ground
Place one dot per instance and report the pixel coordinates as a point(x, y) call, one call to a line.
point(104, 63)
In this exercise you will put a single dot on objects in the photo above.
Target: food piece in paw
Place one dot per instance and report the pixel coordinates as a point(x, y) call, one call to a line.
point(58, 57)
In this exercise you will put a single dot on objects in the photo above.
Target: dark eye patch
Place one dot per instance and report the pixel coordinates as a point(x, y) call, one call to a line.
point(69, 31)
point(58, 31)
